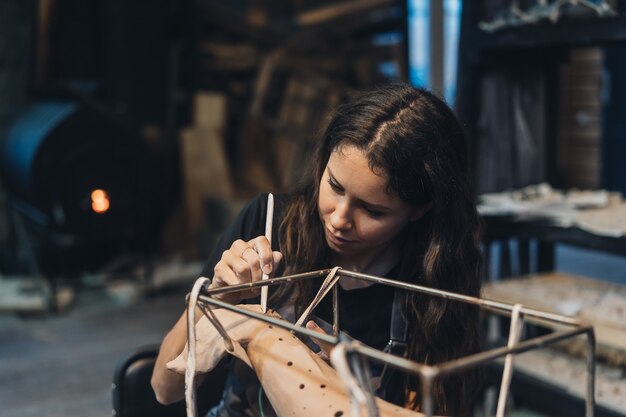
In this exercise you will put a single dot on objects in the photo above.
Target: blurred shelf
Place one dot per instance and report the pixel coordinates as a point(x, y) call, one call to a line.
point(498, 227)
point(599, 303)
point(566, 33)
point(548, 397)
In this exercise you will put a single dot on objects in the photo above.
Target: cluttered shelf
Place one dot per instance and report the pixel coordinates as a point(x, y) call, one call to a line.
point(560, 370)
point(570, 33)
point(563, 23)
point(588, 219)
point(499, 227)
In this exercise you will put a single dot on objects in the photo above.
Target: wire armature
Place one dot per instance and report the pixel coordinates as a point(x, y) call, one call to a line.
point(360, 390)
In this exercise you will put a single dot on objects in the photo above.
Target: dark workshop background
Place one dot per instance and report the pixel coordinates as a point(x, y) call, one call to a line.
point(132, 131)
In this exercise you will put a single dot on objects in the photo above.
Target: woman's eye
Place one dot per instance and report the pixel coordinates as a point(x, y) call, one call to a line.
point(374, 213)
point(334, 186)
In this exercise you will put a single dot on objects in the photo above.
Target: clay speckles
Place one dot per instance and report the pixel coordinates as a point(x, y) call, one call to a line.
point(289, 363)
point(338, 413)
point(322, 386)
point(301, 386)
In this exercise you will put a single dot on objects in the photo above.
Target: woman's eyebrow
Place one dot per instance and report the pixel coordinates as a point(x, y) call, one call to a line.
point(375, 206)
point(330, 174)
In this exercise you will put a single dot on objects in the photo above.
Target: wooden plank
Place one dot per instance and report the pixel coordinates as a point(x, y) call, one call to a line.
point(209, 110)
point(338, 10)
point(580, 119)
point(587, 54)
point(205, 169)
point(588, 134)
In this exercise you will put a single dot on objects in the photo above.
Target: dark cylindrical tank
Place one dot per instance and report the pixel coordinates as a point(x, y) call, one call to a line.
point(79, 173)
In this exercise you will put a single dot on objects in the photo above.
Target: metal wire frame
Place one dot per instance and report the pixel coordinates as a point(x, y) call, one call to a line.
point(427, 373)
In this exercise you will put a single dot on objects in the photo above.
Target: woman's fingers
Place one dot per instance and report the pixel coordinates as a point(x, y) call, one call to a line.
point(260, 257)
point(239, 248)
point(245, 262)
point(264, 250)
point(277, 257)
point(230, 270)
point(252, 264)
point(326, 347)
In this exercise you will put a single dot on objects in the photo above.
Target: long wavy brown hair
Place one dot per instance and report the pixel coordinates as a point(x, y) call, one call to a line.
point(413, 138)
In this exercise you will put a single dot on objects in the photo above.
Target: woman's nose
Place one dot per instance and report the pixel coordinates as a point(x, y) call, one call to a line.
point(341, 217)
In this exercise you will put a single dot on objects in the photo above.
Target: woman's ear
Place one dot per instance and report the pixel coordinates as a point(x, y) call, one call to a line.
point(419, 212)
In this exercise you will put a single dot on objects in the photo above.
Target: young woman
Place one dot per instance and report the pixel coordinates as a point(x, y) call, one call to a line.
point(388, 195)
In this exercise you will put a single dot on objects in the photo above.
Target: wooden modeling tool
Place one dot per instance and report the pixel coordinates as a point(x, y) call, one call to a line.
point(269, 219)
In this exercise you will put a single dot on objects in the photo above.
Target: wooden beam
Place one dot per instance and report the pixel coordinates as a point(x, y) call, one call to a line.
point(335, 11)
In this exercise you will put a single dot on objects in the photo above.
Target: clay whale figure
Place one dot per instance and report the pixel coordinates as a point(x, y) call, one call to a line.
point(296, 381)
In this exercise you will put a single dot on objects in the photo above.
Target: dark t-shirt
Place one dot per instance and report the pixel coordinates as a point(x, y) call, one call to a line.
point(364, 313)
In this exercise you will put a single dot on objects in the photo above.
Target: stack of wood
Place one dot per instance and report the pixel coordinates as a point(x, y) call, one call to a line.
point(580, 119)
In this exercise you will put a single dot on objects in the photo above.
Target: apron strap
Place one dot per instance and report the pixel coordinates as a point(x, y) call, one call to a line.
point(398, 340)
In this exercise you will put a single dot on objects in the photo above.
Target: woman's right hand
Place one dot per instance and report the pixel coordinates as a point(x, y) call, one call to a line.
point(244, 262)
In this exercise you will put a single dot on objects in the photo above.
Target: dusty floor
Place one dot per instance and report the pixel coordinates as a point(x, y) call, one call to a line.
point(62, 366)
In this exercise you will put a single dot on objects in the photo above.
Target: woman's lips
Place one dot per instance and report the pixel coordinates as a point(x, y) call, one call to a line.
point(337, 240)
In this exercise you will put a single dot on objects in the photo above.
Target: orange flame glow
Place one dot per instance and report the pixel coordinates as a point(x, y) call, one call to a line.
point(100, 201)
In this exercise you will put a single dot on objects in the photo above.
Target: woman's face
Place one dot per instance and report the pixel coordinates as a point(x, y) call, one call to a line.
point(360, 218)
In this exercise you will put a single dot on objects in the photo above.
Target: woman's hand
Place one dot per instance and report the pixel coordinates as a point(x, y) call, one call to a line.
point(244, 262)
point(324, 346)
